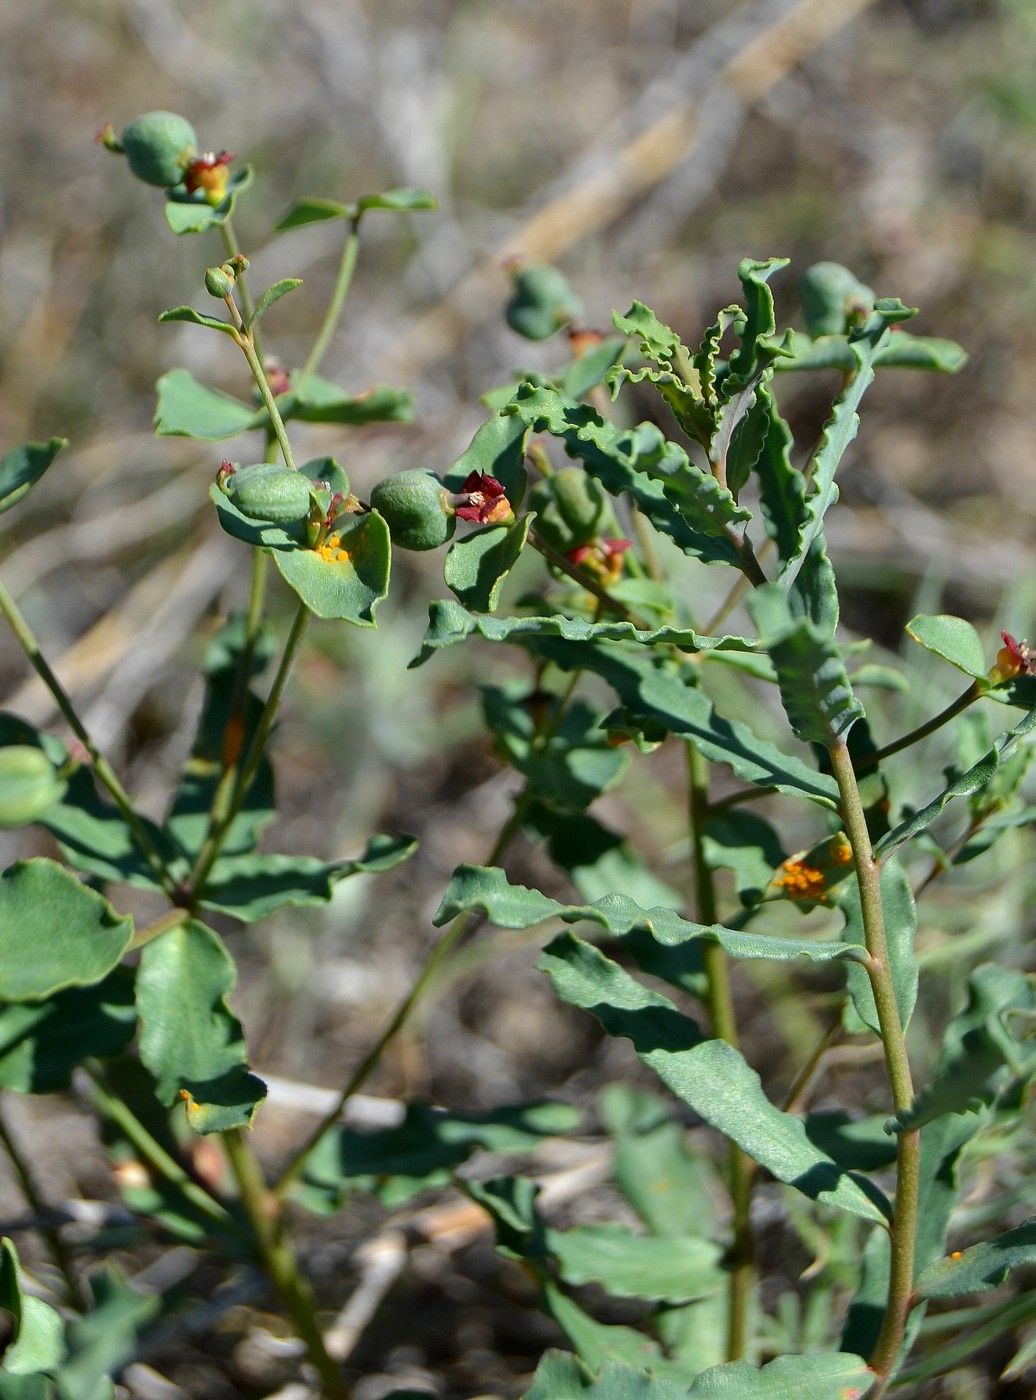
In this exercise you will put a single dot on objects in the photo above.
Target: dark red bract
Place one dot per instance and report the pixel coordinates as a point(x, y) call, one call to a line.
point(482, 500)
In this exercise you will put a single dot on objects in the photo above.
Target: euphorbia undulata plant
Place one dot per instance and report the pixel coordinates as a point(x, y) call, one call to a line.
point(612, 658)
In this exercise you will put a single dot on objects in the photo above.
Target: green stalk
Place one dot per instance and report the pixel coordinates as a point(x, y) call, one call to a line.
point(903, 1230)
point(105, 773)
point(246, 340)
point(954, 708)
point(233, 248)
point(209, 853)
point(333, 314)
point(724, 1027)
point(279, 1261)
point(51, 1233)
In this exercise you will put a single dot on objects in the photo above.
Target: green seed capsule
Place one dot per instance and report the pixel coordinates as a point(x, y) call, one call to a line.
point(271, 492)
point(412, 505)
point(832, 298)
point(157, 146)
point(571, 509)
point(542, 302)
point(29, 785)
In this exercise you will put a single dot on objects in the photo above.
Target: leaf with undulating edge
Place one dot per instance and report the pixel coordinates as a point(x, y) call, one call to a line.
point(22, 467)
point(709, 1075)
point(745, 843)
point(979, 1050)
point(251, 887)
point(404, 200)
point(42, 1042)
point(600, 1343)
point(834, 1376)
point(758, 348)
point(626, 1265)
point(346, 578)
point(105, 1338)
point(54, 932)
point(982, 1266)
point(840, 428)
point(498, 450)
point(782, 487)
point(901, 351)
point(953, 639)
point(597, 859)
point(814, 685)
point(670, 370)
point(186, 213)
point(190, 1040)
point(476, 568)
point(313, 399)
point(37, 1344)
point(450, 623)
point(561, 1376)
point(272, 294)
point(965, 785)
point(897, 901)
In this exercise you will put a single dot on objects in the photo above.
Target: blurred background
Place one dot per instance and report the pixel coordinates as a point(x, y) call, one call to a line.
point(645, 146)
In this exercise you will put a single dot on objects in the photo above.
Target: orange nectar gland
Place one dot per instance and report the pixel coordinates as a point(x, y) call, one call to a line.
point(331, 550)
point(801, 881)
point(210, 174)
point(1015, 658)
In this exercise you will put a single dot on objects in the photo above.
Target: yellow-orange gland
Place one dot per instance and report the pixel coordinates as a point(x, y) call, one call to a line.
point(801, 881)
point(1008, 664)
point(331, 550)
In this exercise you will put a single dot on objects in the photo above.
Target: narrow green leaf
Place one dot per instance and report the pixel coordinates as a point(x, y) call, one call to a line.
point(782, 487)
point(952, 638)
point(344, 580)
point(42, 1042)
point(22, 467)
point(756, 350)
point(312, 211)
point(316, 400)
point(54, 932)
point(251, 887)
point(589, 370)
point(38, 1342)
point(710, 1076)
point(637, 1266)
point(561, 1376)
point(573, 766)
point(670, 1188)
point(272, 294)
point(603, 1344)
point(190, 1040)
point(476, 568)
point(195, 318)
point(404, 200)
point(981, 1267)
point(900, 930)
point(186, 408)
point(192, 213)
point(901, 351)
point(597, 859)
point(839, 1376)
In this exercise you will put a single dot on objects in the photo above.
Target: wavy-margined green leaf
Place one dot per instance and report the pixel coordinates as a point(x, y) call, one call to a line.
point(708, 1075)
point(561, 1376)
point(37, 1344)
point(979, 1051)
point(313, 399)
point(187, 213)
point(969, 782)
point(190, 1040)
point(637, 1266)
point(54, 932)
point(516, 906)
point(841, 427)
point(404, 200)
point(835, 1376)
point(681, 501)
point(758, 349)
point(252, 886)
point(782, 487)
point(813, 682)
point(670, 370)
point(567, 764)
point(42, 1042)
point(980, 1267)
point(953, 639)
point(596, 858)
point(421, 1152)
point(346, 578)
point(746, 844)
point(22, 467)
point(902, 350)
point(476, 568)
point(498, 450)
point(674, 703)
point(102, 1340)
point(450, 623)
point(897, 901)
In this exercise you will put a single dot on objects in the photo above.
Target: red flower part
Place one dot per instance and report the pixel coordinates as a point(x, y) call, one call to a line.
point(481, 499)
point(1015, 658)
point(209, 173)
point(616, 548)
point(602, 558)
point(279, 380)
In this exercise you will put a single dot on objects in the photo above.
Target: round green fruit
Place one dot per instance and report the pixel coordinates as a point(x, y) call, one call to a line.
point(413, 506)
point(541, 303)
point(157, 146)
point(29, 785)
point(571, 509)
point(832, 298)
point(268, 491)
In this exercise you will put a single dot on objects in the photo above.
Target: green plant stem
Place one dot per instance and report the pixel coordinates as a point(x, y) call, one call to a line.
point(233, 248)
point(246, 340)
point(51, 1233)
point(164, 924)
point(737, 799)
point(973, 693)
point(903, 1230)
point(209, 853)
point(105, 773)
point(152, 1151)
point(333, 314)
point(591, 585)
point(459, 929)
point(279, 1261)
point(724, 1027)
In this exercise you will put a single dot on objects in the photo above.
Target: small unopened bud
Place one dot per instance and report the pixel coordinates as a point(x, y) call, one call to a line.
point(226, 471)
point(106, 137)
point(219, 281)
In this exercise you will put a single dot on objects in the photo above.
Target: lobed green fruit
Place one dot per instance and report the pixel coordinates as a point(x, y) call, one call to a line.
point(157, 146)
point(29, 785)
point(413, 506)
point(832, 298)
point(268, 491)
point(571, 509)
point(541, 303)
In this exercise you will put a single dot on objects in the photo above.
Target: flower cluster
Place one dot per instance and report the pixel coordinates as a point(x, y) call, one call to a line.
point(1015, 658)
point(482, 500)
point(602, 558)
